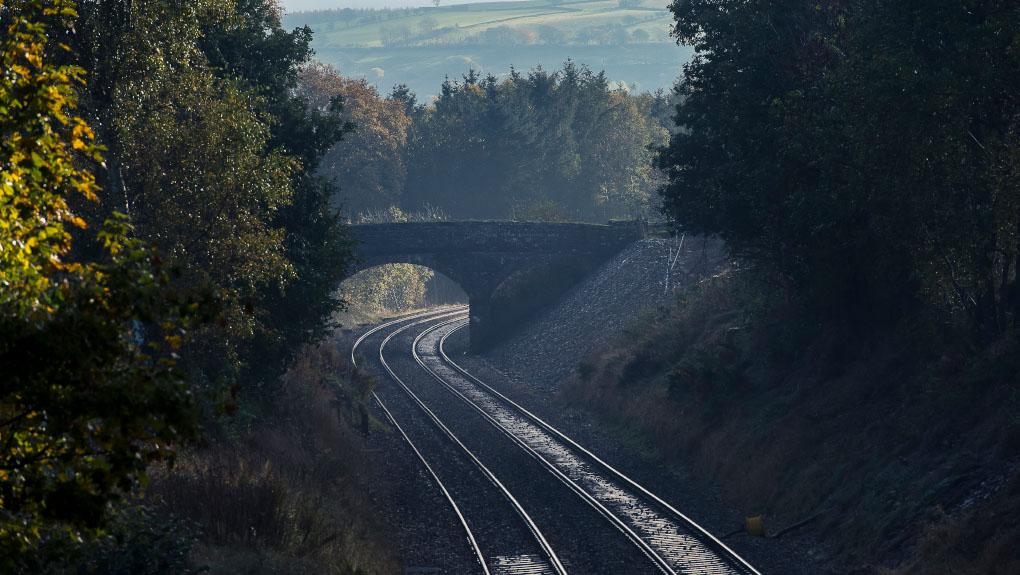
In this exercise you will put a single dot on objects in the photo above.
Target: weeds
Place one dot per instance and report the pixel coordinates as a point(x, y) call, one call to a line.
point(286, 497)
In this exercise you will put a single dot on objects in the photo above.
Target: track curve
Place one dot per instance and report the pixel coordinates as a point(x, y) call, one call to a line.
point(667, 539)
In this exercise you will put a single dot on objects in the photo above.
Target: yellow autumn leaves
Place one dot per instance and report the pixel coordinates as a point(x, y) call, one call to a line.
point(39, 138)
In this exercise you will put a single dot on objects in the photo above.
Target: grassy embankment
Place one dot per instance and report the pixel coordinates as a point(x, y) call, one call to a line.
point(899, 447)
point(285, 493)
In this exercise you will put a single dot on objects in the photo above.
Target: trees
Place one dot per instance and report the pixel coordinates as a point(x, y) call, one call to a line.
point(391, 288)
point(215, 156)
point(109, 349)
point(564, 145)
point(855, 151)
point(368, 165)
point(936, 89)
point(253, 47)
point(90, 394)
point(194, 161)
point(218, 258)
point(561, 145)
point(730, 171)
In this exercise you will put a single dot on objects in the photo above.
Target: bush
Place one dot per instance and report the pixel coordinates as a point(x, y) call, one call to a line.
point(140, 540)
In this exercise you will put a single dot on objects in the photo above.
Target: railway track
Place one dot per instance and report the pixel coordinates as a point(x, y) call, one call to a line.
point(475, 550)
point(669, 542)
point(517, 558)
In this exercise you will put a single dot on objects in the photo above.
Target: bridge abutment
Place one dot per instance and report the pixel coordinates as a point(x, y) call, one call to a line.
point(480, 332)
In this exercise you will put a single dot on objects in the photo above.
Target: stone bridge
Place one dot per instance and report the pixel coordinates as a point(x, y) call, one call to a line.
point(508, 269)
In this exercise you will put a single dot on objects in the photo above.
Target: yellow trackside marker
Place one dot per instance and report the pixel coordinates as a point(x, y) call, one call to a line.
point(755, 526)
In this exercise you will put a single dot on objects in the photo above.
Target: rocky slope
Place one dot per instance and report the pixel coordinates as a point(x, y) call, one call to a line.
point(589, 317)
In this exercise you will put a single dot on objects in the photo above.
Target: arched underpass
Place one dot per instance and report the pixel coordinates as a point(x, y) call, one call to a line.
point(397, 288)
point(508, 269)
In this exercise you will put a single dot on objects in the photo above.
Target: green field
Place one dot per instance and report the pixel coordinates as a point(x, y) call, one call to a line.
point(421, 47)
point(576, 20)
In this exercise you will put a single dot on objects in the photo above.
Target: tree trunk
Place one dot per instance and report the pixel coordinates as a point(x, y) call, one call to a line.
point(1005, 297)
point(117, 187)
point(986, 313)
point(1015, 286)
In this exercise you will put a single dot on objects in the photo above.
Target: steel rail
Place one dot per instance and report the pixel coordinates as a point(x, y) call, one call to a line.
point(409, 317)
point(540, 538)
point(442, 487)
point(660, 562)
point(721, 548)
point(457, 315)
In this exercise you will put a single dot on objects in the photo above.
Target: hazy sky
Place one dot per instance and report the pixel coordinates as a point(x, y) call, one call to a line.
point(296, 5)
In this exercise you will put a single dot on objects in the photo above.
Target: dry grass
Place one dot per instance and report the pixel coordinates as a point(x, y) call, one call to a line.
point(792, 419)
point(285, 498)
point(980, 541)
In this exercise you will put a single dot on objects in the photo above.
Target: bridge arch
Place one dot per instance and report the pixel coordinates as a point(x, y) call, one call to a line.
point(400, 286)
point(482, 256)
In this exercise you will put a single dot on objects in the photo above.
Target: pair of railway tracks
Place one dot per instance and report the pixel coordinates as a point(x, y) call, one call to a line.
point(668, 541)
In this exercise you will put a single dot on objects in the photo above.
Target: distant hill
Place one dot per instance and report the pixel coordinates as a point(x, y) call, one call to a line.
point(420, 47)
point(306, 5)
point(578, 22)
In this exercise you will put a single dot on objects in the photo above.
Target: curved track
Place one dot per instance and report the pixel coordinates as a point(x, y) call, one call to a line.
point(669, 541)
point(414, 448)
point(525, 558)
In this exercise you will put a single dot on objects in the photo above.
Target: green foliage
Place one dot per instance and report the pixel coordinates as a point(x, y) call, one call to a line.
point(214, 156)
point(140, 540)
point(90, 395)
point(39, 140)
point(215, 219)
point(253, 47)
point(391, 287)
point(388, 288)
point(546, 147)
point(368, 165)
point(862, 152)
point(555, 146)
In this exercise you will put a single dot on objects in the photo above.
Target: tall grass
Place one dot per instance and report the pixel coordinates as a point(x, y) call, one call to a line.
point(979, 541)
point(287, 497)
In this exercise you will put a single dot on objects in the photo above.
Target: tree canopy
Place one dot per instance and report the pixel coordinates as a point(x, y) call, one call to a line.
point(88, 347)
point(368, 166)
point(218, 258)
point(215, 157)
point(863, 151)
point(564, 145)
